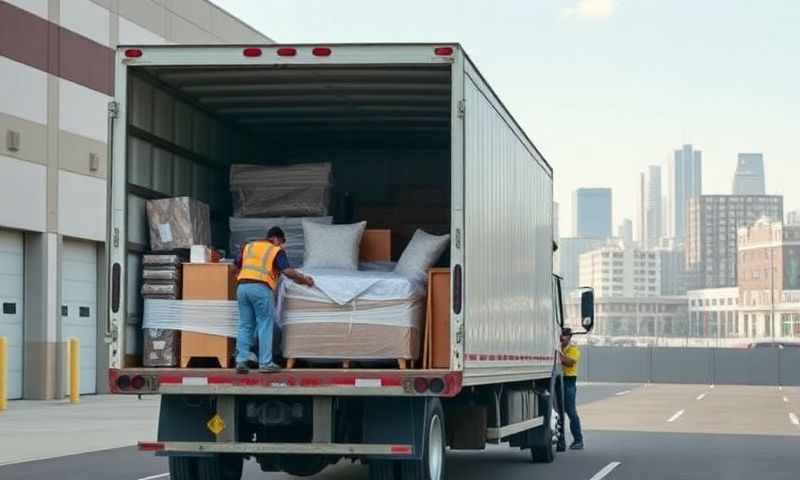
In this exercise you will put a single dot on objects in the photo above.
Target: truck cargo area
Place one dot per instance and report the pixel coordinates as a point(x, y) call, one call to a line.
point(384, 128)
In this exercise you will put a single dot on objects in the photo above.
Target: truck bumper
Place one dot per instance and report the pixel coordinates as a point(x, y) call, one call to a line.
point(339, 449)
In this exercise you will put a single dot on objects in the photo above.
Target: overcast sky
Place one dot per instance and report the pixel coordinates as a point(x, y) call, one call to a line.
point(604, 87)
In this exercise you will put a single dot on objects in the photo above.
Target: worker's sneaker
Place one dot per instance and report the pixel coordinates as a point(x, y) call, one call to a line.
point(576, 446)
point(242, 367)
point(271, 367)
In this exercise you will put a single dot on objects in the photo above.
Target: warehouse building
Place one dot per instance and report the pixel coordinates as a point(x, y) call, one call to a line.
point(56, 75)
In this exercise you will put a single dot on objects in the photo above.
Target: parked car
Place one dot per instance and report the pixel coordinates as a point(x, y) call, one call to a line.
point(777, 344)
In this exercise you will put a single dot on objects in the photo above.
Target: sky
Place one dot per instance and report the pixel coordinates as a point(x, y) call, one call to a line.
point(604, 87)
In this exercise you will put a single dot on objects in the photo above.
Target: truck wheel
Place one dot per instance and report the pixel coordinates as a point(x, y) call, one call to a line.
point(182, 468)
point(542, 449)
point(432, 465)
point(220, 467)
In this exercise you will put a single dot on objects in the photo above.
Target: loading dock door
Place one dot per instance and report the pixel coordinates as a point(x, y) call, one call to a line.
point(79, 305)
point(11, 306)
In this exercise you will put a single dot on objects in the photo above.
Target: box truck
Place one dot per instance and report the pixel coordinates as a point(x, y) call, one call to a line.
point(392, 119)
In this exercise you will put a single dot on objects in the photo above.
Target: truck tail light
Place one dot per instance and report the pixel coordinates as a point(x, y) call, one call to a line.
point(150, 446)
point(133, 53)
point(443, 51)
point(421, 385)
point(123, 382)
point(436, 385)
point(322, 52)
point(251, 52)
point(287, 52)
point(137, 382)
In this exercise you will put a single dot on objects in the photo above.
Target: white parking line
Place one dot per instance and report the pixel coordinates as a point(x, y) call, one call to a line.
point(624, 392)
point(793, 418)
point(605, 471)
point(676, 416)
point(154, 477)
point(702, 396)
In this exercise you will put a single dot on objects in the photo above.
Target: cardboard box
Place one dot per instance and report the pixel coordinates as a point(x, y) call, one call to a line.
point(376, 246)
point(178, 223)
point(207, 281)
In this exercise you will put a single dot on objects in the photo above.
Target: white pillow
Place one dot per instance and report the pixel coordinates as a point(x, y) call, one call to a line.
point(332, 246)
point(421, 253)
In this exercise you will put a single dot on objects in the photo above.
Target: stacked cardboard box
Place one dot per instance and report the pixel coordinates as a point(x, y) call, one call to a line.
point(301, 190)
point(162, 280)
point(178, 223)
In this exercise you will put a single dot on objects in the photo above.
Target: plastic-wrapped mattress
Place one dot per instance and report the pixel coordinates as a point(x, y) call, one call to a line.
point(352, 315)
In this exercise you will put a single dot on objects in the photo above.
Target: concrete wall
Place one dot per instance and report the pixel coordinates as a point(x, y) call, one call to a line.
point(722, 366)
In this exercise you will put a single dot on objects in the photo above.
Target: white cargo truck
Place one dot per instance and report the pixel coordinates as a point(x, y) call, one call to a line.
point(387, 116)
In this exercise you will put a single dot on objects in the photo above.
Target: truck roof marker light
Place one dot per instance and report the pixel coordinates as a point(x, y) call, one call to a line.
point(133, 53)
point(322, 52)
point(421, 384)
point(287, 52)
point(150, 446)
point(443, 51)
point(251, 52)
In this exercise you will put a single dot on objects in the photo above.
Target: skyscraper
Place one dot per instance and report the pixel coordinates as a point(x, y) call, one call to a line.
point(685, 181)
point(714, 221)
point(591, 213)
point(749, 178)
point(653, 218)
point(625, 231)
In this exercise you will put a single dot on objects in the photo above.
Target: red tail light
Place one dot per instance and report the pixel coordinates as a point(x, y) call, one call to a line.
point(287, 52)
point(322, 52)
point(443, 51)
point(137, 382)
point(251, 52)
point(437, 385)
point(421, 385)
point(150, 446)
point(401, 449)
point(133, 53)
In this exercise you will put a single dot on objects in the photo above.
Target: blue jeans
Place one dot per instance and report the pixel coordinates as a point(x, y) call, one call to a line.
point(256, 317)
point(571, 409)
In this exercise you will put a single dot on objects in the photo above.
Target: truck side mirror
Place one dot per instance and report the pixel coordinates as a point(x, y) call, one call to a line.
point(587, 310)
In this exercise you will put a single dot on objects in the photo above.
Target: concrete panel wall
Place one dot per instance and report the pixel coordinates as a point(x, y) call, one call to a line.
point(724, 366)
point(616, 364)
point(682, 365)
point(32, 139)
point(746, 367)
point(83, 206)
point(23, 198)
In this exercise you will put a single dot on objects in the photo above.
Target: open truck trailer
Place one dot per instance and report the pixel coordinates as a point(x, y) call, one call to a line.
point(387, 117)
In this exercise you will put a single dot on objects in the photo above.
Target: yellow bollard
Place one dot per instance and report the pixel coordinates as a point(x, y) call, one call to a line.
point(3, 373)
point(74, 352)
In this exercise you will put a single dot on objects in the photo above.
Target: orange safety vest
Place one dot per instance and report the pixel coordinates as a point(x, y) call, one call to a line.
point(258, 260)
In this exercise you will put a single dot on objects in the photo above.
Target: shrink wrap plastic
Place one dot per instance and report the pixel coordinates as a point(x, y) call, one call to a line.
point(296, 190)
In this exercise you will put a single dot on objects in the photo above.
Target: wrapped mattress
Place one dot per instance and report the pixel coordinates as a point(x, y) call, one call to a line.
point(352, 315)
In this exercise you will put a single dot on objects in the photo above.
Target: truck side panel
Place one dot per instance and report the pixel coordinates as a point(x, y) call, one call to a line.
point(510, 331)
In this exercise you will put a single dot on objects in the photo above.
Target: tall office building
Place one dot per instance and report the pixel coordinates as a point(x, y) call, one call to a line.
point(713, 224)
point(793, 217)
point(641, 212)
point(749, 178)
point(569, 254)
point(591, 213)
point(653, 219)
point(619, 270)
point(684, 182)
point(625, 231)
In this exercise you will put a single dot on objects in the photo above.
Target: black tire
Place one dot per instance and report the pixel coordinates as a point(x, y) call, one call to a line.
point(302, 465)
point(182, 468)
point(384, 470)
point(542, 448)
point(220, 467)
point(434, 433)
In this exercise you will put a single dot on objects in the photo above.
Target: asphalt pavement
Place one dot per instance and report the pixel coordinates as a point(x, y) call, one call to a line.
point(632, 432)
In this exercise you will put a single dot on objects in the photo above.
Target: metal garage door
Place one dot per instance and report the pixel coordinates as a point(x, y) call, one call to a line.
point(11, 307)
point(79, 305)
